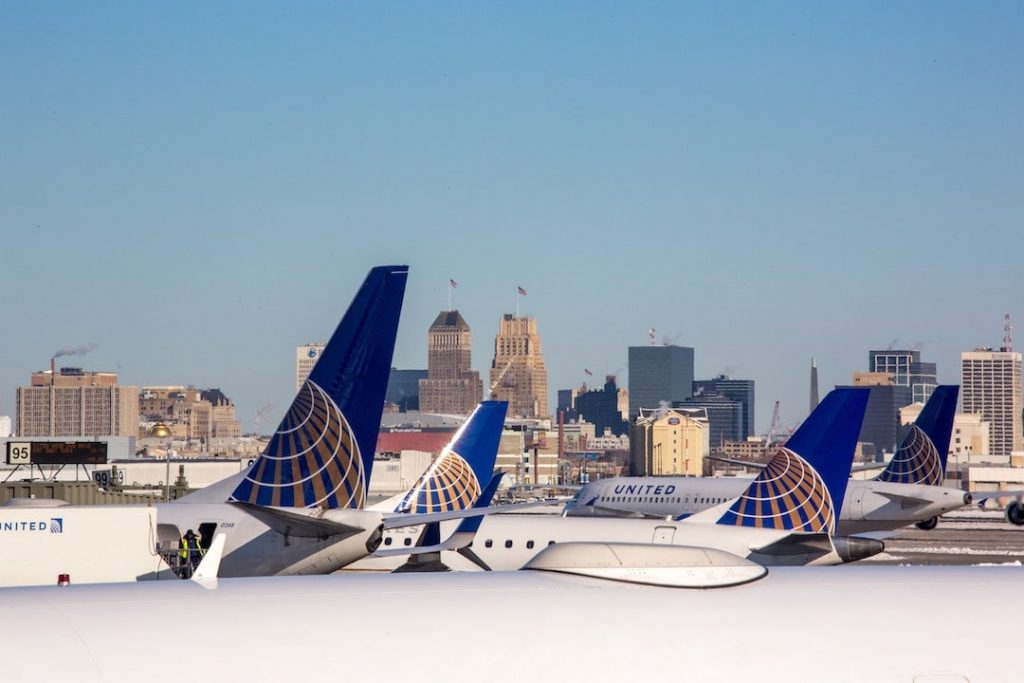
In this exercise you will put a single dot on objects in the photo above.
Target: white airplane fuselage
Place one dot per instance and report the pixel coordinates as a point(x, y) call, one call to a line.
point(794, 625)
point(867, 506)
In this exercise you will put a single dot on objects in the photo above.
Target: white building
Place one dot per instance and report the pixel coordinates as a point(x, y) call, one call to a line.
point(991, 388)
point(306, 357)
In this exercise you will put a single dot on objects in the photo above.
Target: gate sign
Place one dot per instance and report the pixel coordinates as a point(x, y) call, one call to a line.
point(56, 452)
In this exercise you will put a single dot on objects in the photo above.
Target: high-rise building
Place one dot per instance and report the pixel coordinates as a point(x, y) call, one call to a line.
point(659, 373)
point(76, 403)
point(404, 388)
point(814, 385)
point(882, 415)
point(725, 416)
point(189, 413)
point(739, 390)
point(991, 387)
point(601, 407)
point(518, 374)
point(451, 386)
point(306, 357)
point(907, 369)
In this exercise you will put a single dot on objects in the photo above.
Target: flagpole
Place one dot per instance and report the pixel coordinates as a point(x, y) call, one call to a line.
point(518, 297)
point(449, 295)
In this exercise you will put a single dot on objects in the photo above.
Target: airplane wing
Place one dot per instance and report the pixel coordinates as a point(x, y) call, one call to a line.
point(734, 461)
point(293, 524)
point(981, 496)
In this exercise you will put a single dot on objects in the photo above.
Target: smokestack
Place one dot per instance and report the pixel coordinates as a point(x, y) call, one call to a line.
point(814, 385)
point(53, 371)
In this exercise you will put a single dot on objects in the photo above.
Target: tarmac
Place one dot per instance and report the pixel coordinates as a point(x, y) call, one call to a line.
point(967, 537)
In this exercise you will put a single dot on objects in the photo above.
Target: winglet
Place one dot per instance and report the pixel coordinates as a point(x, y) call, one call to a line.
point(803, 485)
point(322, 453)
point(209, 566)
point(921, 456)
point(454, 479)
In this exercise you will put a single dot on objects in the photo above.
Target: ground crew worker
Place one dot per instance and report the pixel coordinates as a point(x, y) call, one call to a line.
point(190, 552)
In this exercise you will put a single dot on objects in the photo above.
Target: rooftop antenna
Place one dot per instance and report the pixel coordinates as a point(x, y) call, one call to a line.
point(1007, 334)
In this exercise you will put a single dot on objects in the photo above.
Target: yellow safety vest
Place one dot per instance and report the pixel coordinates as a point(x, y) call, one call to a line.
point(183, 552)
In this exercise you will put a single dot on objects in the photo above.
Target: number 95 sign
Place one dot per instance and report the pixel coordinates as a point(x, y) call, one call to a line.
point(19, 453)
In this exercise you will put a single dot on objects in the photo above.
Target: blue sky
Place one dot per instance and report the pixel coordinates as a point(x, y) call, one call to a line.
point(198, 189)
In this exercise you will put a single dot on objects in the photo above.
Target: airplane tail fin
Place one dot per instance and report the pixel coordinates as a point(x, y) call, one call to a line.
point(802, 486)
point(921, 456)
point(322, 452)
point(455, 479)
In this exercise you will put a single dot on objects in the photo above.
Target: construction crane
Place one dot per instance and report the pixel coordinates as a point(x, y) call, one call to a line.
point(774, 425)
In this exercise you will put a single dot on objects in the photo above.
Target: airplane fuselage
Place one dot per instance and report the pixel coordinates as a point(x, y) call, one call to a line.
point(795, 625)
point(867, 506)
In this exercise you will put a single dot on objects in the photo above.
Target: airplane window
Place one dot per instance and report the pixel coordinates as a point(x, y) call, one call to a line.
point(551, 542)
point(387, 540)
point(488, 543)
point(529, 544)
point(508, 544)
point(407, 541)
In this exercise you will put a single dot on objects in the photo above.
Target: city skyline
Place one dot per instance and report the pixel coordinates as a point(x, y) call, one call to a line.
point(765, 185)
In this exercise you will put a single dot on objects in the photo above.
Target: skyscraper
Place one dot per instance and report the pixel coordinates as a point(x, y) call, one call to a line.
point(908, 370)
point(739, 390)
point(991, 387)
point(600, 407)
point(518, 374)
point(814, 385)
point(306, 357)
point(451, 386)
point(659, 373)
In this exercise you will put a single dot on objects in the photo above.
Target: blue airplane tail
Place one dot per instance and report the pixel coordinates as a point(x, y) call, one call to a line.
point(456, 477)
point(322, 452)
point(802, 486)
point(921, 456)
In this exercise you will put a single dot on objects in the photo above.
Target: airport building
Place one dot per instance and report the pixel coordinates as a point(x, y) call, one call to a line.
point(990, 386)
point(76, 403)
point(673, 441)
point(907, 369)
point(659, 373)
point(451, 385)
point(518, 373)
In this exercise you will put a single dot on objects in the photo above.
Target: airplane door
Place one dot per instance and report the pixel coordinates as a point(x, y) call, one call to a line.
point(664, 535)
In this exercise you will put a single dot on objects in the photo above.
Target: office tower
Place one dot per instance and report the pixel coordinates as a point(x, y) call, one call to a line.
point(724, 415)
point(659, 373)
point(600, 407)
point(739, 390)
point(76, 403)
point(404, 388)
point(814, 386)
point(907, 369)
point(518, 374)
point(669, 441)
point(882, 415)
point(306, 357)
point(451, 385)
point(991, 387)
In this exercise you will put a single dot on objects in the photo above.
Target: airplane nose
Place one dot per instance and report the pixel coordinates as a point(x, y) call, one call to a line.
point(968, 499)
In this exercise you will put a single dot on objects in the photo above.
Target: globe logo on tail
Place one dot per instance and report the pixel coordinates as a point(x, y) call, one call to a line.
point(916, 461)
point(788, 494)
point(312, 460)
point(449, 484)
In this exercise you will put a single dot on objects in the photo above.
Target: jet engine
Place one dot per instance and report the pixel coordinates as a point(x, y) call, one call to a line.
point(1015, 513)
point(927, 524)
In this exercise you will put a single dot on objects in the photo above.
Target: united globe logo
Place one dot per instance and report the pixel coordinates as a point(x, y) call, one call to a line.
point(56, 525)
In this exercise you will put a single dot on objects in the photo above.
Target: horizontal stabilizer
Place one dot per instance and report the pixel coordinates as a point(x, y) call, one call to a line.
point(291, 523)
point(904, 501)
point(450, 544)
point(736, 461)
point(400, 519)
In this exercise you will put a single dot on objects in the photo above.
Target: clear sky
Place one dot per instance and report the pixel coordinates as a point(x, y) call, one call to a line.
point(199, 187)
